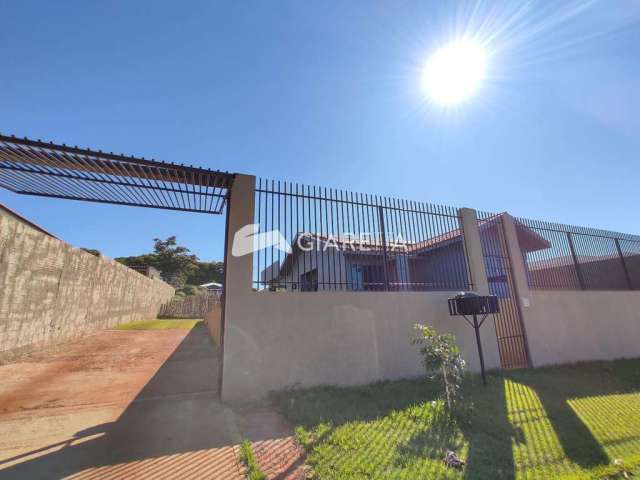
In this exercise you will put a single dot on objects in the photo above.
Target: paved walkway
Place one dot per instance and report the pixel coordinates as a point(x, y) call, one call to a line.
point(124, 404)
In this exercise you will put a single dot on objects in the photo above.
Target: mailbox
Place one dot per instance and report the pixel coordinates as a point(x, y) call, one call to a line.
point(470, 303)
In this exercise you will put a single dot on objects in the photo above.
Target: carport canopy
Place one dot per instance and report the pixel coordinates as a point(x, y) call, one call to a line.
point(34, 167)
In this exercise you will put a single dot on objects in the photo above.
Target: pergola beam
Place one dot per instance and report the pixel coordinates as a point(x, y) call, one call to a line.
point(33, 167)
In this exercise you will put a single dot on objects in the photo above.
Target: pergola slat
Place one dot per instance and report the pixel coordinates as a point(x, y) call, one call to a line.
point(33, 167)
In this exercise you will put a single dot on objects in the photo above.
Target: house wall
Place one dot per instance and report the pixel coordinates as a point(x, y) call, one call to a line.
point(447, 262)
point(325, 261)
point(50, 291)
point(569, 326)
point(366, 261)
point(274, 341)
point(606, 274)
point(334, 266)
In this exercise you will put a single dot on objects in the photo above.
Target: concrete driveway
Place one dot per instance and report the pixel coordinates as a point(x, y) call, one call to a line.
point(123, 404)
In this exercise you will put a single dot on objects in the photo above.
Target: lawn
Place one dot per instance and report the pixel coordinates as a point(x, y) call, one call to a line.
point(160, 324)
point(562, 422)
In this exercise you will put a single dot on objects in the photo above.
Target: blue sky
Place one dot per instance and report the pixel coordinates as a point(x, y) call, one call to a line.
point(328, 93)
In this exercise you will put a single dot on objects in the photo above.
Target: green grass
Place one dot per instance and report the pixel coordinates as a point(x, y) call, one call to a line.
point(164, 324)
point(248, 458)
point(568, 422)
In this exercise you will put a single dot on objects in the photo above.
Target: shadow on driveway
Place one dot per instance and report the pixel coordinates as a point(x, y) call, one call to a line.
point(175, 427)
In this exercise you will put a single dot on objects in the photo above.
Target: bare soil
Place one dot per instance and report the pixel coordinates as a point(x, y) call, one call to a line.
point(125, 404)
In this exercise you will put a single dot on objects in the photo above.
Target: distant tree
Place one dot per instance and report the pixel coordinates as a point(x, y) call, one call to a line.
point(174, 261)
point(178, 265)
point(189, 290)
point(92, 251)
point(149, 259)
point(207, 272)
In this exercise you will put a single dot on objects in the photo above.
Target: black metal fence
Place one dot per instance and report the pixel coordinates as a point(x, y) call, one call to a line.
point(578, 258)
point(512, 344)
point(312, 238)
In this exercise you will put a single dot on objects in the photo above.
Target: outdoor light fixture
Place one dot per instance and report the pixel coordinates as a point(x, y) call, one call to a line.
point(470, 303)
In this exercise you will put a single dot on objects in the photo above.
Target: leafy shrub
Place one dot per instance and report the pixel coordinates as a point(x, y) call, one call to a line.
point(443, 361)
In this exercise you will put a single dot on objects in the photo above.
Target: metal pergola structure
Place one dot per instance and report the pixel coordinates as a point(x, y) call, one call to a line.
point(34, 167)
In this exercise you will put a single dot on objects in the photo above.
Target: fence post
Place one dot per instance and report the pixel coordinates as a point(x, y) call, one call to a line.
point(238, 276)
point(575, 261)
point(473, 248)
point(383, 235)
point(624, 264)
point(468, 220)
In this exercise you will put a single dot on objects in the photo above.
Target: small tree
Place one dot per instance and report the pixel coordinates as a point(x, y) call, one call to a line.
point(442, 359)
point(174, 261)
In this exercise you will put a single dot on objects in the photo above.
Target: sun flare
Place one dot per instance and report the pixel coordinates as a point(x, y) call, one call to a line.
point(454, 72)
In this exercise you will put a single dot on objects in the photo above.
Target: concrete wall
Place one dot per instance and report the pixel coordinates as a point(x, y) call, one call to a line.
point(568, 326)
point(274, 340)
point(50, 291)
point(278, 340)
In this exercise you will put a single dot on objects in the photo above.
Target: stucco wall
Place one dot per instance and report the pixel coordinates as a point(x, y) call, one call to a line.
point(50, 291)
point(278, 340)
point(274, 340)
point(569, 326)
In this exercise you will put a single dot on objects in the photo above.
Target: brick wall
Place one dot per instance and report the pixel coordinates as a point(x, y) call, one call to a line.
point(50, 291)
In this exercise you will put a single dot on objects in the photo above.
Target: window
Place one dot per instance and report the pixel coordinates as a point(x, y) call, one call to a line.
point(357, 278)
point(367, 277)
point(309, 281)
point(497, 276)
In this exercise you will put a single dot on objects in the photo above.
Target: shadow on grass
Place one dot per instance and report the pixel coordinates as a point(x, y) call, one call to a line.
point(442, 436)
point(338, 405)
point(555, 387)
point(490, 434)
point(538, 399)
point(522, 421)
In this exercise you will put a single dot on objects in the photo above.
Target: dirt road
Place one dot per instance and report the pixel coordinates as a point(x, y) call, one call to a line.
point(122, 404)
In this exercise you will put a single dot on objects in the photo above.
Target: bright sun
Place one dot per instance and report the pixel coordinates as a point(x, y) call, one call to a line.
point(454, 72)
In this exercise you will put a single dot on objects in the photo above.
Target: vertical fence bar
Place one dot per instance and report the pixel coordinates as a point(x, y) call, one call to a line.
point(356, 232)
point(575, 261)
point(383, 237)
point(624, 264)
point(425, 249)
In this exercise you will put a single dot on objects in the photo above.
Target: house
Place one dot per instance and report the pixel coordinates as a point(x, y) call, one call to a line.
point(342, 262)
point(212, 286)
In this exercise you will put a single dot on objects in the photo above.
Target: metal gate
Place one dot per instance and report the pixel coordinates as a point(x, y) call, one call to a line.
point(512, 343)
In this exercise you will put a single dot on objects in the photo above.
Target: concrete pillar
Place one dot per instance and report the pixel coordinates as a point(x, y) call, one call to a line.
point(479, 283)
point(475, 257)
point(519, 273)
point(238, 269)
